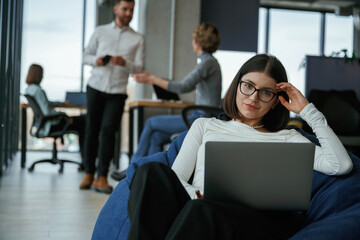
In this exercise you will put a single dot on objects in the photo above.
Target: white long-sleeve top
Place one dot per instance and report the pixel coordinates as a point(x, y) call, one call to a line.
point(331, 158)
point(110, 40)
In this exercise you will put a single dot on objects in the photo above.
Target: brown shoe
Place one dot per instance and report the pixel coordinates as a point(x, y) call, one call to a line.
point(86, 183)
point(101, 185)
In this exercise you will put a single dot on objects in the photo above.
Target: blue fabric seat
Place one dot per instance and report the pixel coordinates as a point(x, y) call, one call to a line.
point(334, 211)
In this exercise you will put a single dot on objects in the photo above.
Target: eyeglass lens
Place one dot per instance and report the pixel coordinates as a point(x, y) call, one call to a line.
point(263, 94)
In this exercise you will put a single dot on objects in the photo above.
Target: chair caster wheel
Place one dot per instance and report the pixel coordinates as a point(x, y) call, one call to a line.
point(31, 169)
point(61, 170)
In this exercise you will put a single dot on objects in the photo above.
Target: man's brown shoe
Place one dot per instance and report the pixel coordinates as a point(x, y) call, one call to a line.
point(101, 185)
point(86, 183)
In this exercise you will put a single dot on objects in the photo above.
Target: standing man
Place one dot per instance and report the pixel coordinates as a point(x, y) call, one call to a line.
point(115, 50)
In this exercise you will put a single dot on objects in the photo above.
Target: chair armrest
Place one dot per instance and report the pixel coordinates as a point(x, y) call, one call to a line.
point(58, 116)
point(210, 111)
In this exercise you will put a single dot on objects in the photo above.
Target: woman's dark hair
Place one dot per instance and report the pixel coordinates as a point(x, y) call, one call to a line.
point(277, 118)
point(35, 74)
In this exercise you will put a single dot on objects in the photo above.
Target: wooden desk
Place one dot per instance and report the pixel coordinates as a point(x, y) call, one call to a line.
point(138, 118)
point(24, 106)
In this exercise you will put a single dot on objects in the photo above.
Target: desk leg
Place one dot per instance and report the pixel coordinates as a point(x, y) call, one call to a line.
point(23, 136)
point(116, 159)
point(131, 132)
point(135, 127)
point(140, 122)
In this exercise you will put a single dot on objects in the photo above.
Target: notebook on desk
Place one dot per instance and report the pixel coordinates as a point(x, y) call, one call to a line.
point(266, 176)
point(76, 98)
point(164, 94)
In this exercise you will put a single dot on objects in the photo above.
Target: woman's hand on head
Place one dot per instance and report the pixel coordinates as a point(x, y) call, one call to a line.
point(143, 77)
point(297, 99)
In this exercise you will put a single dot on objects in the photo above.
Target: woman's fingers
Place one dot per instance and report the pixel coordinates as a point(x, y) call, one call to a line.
point(284, 102)
point(297, 99)
point(142, 77)
point(286, 87)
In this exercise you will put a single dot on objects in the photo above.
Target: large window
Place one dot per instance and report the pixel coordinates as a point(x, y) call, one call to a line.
point(294, 34)
point(338, 34)
point(52, 37)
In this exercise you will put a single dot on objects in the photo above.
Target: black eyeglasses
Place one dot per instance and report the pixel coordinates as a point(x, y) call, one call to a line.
point(264, 95)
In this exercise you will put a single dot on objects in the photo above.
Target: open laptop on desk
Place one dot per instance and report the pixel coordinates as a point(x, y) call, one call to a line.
point(266, 176)
point(76, 98)
point(164, 94)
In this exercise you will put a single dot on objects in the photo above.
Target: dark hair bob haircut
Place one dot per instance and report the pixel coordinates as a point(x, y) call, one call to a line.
point(276, 119)
point(35, 74)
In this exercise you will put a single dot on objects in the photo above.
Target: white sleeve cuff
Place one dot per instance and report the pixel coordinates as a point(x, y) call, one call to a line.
point(313, 116)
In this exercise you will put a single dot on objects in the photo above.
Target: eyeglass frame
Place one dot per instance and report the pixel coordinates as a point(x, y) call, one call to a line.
point(257, 90)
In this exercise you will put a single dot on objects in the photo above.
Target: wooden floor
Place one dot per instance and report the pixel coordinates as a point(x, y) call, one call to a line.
point(46, 205)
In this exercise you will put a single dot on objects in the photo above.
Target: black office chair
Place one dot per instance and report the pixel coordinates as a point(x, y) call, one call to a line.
point(342, 112)
point(209, 111)
point(39, 122)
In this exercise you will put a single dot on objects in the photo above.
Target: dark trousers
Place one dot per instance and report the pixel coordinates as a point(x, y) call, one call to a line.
point(104, 112)
point(77, 125)
point(160, 208)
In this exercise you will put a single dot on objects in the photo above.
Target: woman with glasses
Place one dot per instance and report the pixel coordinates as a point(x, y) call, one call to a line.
point(257, 103)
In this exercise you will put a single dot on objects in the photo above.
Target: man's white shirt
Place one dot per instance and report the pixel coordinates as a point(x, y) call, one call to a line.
point(110, 40)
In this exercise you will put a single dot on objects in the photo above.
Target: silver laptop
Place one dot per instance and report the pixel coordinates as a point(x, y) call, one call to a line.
point(265, 176)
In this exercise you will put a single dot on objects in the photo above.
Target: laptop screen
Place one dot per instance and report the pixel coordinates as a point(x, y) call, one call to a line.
point(263, 175)
point(164, 94)
point(76, 98)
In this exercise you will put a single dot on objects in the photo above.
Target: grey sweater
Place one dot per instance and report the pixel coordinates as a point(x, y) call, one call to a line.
point(205, 78)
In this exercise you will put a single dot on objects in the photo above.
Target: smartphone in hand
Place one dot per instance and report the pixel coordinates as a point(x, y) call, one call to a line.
point(106, 59)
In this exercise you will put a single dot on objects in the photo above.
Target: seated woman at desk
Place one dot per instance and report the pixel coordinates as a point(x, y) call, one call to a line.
point(205, 79)
point(76, 124)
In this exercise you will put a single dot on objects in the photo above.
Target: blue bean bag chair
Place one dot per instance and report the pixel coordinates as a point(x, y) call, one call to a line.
point(334, 211)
